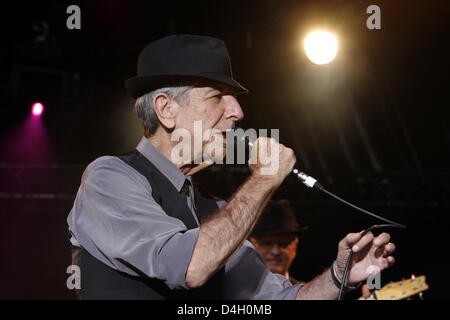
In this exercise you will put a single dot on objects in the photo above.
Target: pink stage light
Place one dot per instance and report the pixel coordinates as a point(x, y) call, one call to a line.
point(37, 109)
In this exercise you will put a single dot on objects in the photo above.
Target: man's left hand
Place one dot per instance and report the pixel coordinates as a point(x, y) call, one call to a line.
point(370, 255)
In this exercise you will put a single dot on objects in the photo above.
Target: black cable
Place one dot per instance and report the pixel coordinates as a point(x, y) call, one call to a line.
point(390, 224)
point(313, 183)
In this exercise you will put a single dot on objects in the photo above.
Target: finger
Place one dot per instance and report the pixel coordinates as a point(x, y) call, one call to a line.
point(363, 242)
point(390, 261)
point(388, 249)
point(382, 239)
point(378, 252)
point(349, 240)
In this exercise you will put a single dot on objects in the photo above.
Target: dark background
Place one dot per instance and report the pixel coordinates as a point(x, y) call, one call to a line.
point(373, 125)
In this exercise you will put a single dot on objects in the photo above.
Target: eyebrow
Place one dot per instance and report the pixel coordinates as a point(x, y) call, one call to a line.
point(222, 90)
point(212, 90)
point(209, 90)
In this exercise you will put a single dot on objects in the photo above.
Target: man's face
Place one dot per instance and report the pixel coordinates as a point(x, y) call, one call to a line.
point(278, 251)
point(217, 110)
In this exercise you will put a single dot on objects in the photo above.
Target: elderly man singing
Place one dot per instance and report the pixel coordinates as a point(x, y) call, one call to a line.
point(141, 230)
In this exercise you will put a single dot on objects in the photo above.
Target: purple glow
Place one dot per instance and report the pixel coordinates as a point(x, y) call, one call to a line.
point(37, 109)
point(27, 143)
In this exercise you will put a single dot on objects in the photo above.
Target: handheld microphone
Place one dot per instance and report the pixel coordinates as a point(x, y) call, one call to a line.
point(307, 180)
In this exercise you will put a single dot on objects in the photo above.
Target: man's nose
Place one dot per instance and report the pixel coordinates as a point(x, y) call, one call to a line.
point(274, 249)
point(233, 109)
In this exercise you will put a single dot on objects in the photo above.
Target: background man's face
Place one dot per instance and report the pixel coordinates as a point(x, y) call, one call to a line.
point(278, 250)
point(216, 108)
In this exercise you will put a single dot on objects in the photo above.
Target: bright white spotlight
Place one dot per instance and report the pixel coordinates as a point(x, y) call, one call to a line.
point(321, 47)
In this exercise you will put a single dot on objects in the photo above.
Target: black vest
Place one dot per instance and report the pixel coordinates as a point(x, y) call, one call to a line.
point(98, 281)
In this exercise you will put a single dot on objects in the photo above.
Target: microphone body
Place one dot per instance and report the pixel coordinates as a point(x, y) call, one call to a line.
point(306, 179)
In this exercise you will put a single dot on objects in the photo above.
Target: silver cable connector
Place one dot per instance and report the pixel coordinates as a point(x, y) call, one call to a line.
point(307, 180)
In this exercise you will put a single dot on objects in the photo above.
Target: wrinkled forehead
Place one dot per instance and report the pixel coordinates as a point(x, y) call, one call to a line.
point(206, 90)
point(212, 86)
point(199, 82)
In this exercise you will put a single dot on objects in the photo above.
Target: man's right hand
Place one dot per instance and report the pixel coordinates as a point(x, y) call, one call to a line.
point(223, 234)
point(271, 160)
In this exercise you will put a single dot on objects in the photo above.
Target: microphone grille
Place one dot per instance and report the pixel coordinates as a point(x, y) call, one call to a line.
point(247, 136)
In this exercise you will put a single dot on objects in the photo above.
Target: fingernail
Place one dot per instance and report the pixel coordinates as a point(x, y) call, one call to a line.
point(355, 248)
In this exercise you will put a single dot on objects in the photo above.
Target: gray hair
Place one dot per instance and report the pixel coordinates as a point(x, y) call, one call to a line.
point(145, 110)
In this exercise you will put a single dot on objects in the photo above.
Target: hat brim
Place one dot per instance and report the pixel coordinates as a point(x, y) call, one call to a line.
point(139, 85)
point(284, 231)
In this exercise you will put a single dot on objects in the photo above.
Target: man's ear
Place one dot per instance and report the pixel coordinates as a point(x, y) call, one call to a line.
point(166, 110)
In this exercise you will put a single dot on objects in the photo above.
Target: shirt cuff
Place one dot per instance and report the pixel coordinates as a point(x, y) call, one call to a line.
point(289, 291)
point(175, 256)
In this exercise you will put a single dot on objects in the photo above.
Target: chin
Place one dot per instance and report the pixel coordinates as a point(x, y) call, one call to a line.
point(275, 268)
point(217, 158)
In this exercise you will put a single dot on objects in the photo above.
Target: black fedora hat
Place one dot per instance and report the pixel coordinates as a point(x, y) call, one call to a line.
point(179, 59)
point(277, 218)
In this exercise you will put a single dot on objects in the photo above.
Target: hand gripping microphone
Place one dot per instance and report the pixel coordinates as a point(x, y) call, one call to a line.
point(307, 180)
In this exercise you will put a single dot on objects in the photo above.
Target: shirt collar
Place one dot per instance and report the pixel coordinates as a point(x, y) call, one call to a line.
point(167, 167)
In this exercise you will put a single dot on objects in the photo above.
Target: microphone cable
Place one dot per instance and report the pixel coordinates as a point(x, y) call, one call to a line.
point(314, 184)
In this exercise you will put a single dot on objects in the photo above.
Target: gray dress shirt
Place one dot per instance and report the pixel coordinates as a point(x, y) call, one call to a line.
point(116, 219)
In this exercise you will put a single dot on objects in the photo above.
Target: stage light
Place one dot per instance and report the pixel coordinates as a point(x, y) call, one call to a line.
point(321, 47)
point(37, 109)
